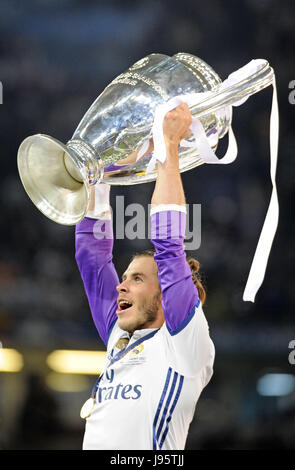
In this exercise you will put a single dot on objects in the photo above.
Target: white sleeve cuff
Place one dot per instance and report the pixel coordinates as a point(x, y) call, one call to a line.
point(101, 209)
point(168, 207)
point(107, 215)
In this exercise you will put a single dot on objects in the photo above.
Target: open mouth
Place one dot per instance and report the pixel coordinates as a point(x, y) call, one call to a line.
point(123, 305)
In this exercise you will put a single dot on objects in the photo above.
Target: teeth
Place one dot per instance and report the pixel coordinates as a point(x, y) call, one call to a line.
point(124, 302)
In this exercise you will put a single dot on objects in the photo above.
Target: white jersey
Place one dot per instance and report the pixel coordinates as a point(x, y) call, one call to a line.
point(146, 400)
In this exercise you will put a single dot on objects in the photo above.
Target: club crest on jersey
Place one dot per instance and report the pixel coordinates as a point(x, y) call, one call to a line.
point(137, 350)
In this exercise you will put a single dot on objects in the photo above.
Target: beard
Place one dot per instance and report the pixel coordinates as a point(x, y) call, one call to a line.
point(148, 311)
point(145, 315)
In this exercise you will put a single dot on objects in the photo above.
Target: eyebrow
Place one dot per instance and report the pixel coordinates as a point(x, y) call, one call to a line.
point(133, 275)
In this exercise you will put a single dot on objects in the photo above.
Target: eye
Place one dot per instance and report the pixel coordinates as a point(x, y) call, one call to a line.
point(137, 278)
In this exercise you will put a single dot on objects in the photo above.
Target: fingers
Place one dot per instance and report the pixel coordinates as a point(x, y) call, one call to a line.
point(182, 114)
point(177, 123)
point(187, 134)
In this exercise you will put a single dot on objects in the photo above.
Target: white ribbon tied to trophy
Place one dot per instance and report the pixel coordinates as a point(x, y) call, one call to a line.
point(259, 263)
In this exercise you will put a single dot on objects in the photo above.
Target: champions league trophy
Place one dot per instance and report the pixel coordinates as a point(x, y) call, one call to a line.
point(106, 144)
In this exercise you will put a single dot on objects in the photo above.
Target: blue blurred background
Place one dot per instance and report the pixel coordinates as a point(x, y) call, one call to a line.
point(55, 58)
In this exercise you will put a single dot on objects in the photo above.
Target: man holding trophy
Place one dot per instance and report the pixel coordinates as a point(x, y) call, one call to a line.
point(159, 352)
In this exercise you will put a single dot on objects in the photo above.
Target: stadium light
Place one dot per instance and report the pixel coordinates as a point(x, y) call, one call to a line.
point(276, 385)
point(76, 362)
point(10, 360)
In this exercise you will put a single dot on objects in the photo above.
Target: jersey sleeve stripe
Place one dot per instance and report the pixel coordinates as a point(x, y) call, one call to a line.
point(168, 376)
point(165, 410)
point(171, 411)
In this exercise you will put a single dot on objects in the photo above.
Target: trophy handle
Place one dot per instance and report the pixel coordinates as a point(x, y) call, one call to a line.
point(231, 95)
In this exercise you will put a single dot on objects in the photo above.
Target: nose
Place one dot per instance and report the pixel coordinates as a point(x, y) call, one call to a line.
point(122, 287)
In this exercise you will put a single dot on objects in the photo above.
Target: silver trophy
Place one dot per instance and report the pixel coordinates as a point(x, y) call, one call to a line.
point(105, 146)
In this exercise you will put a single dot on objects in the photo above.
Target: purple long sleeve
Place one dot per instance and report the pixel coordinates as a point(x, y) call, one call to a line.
point(179, 294)
point(94, 259)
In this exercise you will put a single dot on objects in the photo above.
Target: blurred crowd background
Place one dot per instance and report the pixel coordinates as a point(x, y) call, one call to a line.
point(55, 58)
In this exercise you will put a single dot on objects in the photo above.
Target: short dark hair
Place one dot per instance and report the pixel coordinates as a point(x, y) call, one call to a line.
point(151, 253)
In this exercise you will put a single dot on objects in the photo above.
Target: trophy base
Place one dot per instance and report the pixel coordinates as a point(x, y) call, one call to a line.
point(53, 181)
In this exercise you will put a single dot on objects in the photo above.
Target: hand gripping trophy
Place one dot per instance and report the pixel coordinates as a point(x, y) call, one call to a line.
point(119, 140)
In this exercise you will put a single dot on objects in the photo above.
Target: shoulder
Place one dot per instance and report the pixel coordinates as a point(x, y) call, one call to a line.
point(189, 348)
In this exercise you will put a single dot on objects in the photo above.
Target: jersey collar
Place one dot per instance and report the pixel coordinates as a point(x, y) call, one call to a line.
point(137, 333)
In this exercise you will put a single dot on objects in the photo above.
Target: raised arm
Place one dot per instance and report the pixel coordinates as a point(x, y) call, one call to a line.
point(168, 221)
point(94, 245)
